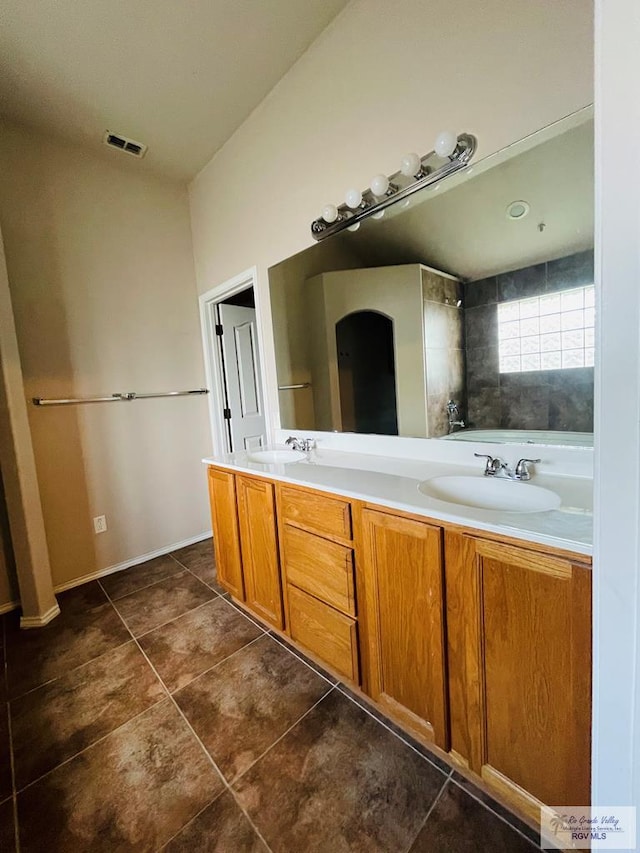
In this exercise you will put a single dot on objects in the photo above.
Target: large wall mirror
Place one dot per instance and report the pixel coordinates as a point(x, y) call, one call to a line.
point(465, 312)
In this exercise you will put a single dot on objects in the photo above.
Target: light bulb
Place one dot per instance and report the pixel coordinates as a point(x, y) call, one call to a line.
point(379, 185)
point(329, 213)
point(410, 165)
point(353, 199)
point(354, 227)
point(445, 143)
point(378, 215)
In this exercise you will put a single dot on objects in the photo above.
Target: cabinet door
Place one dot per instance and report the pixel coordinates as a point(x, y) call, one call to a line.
point(226, 539)
point(401, 562)
point(519, 634)
point(259, 543)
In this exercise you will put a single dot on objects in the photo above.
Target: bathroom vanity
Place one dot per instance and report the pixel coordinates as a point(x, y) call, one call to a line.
point(470, 628)
point(457, 600)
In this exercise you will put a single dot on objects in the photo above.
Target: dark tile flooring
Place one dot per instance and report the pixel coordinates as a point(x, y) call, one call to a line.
point(154, 715)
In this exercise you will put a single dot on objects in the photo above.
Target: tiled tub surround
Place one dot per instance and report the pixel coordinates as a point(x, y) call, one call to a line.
point(541, 399)
point(207, 733)
point(443, 348)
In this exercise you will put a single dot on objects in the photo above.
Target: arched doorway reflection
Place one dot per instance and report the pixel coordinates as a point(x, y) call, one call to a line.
point(367, 374)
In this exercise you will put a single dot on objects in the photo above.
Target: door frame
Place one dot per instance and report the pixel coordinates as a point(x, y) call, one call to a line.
point(211, 352)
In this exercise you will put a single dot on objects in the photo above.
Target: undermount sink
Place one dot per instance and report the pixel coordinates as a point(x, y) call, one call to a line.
point(491, 493)
point(273, 457)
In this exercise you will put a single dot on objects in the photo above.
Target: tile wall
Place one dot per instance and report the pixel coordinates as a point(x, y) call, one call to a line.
point(444, 348)
point(544, 399)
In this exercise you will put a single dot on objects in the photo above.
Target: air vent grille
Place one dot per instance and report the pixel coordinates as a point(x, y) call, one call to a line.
point(123, 143)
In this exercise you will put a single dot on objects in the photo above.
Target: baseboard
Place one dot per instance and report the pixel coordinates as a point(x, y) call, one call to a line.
point(39, 621)
point(134, 561)
point(10, 605)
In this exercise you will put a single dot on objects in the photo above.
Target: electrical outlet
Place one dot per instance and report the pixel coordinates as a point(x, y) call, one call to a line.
point(100, 523)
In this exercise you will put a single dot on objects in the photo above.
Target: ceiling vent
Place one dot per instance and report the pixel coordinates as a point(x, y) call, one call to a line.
point(123, 143)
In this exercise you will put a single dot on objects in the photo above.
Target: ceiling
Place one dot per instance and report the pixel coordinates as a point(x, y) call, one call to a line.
point(178, 77)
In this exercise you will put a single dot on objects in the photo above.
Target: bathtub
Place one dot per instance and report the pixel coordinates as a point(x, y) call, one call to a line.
point(523, 436)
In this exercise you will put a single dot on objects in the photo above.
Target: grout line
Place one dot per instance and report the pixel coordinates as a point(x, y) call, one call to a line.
point(144, 586)
point(311, 666)
point(16, 833)
point(90, 746)
point(215, 665)
point(49, 681)
point(499, 816)
point(430, 809)
point(385, 725)
point(194, 733)
point(195, 817)
point(14, 797)
point(11, 698)
point(13, 782)
point(183, 570)
point(282, 736)
point(162, 624)
point(5, 668)
point(247, 615)
point(202, 580)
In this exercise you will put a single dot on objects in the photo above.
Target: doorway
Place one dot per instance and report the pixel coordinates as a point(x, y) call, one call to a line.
point(233, 365)
point(367, 373)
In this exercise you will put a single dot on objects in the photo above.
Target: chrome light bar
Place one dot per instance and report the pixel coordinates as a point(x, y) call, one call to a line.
point(400, 186)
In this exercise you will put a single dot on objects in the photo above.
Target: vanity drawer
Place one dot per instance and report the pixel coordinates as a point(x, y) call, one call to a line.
point(320, 567)
point(316, 512)
point(330, 635)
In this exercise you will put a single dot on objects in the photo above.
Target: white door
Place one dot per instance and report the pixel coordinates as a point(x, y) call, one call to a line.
point(242, 374)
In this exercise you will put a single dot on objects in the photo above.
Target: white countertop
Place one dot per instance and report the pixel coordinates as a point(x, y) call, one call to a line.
point(393, 482)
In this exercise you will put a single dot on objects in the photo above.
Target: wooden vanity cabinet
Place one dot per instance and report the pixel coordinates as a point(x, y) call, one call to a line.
point(400, 559)
point(519, 655)
point(475, 642)
point(226, 535)
point(259, 547)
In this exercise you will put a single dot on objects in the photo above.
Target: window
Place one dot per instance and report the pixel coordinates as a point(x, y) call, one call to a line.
point(549, 332)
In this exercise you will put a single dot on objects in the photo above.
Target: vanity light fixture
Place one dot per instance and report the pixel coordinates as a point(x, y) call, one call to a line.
point(414, 174)
point(353, 199)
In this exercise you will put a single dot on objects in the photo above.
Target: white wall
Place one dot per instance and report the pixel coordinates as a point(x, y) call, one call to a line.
point(616, 750)
point(102, 282)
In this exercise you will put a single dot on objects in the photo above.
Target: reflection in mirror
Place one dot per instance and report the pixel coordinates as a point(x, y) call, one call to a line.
point(470, 309)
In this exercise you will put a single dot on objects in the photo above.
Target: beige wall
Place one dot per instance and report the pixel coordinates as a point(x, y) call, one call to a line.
point(373, 86)
point(395, 292)
point(8, 584)
point(295, 324)
point(29, 551)
point(102, 282)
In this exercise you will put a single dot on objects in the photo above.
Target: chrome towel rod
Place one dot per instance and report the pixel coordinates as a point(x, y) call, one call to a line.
point(114, 398)
point(294, 387)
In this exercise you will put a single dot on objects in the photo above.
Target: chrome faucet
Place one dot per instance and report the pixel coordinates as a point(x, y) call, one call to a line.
point(303, 444)
point(495, 467)
point(453, 415)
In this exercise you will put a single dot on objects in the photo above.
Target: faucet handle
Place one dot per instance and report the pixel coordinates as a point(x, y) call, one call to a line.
point(522, 468)
point(494, 463)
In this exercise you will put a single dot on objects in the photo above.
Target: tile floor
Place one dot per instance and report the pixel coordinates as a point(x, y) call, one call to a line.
point(153, 715)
